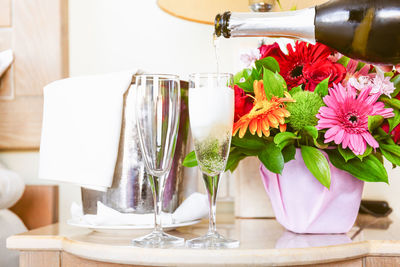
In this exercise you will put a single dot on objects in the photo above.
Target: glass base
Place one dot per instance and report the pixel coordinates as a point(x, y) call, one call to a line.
point(158, 239)
point(212, 240)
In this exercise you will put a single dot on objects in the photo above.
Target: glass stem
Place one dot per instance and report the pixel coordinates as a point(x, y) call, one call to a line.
point(157, 187)
point(211, 183)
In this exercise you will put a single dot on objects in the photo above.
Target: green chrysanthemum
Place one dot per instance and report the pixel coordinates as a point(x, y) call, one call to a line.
point(303, 111)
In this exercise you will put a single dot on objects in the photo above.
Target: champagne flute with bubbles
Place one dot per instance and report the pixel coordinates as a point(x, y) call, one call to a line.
point(211, 113)
point(157, 110)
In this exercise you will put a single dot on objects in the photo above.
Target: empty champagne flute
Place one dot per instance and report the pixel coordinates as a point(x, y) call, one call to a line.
point(211, 113)
point(157, 110)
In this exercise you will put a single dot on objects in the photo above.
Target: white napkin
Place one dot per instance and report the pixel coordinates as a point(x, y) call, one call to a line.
point(81, 129)
point(193, 208)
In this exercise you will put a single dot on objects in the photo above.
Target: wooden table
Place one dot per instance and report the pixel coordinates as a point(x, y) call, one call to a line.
point(371, 242)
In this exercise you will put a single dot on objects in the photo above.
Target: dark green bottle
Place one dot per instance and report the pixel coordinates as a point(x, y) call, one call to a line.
point(368, 30)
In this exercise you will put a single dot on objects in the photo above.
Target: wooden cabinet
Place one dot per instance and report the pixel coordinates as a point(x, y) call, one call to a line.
point(60, 259)
point(263, 243)
point(382, 261)
point(63, 259)
point(37, 32)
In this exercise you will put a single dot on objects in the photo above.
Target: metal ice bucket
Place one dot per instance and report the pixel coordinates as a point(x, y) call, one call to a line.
point(130, 191)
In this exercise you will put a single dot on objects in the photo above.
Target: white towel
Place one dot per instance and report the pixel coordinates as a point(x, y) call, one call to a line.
point(81, 129)
point(195, 207)
point(10, 225)
point(6, 59)
point(12, 187)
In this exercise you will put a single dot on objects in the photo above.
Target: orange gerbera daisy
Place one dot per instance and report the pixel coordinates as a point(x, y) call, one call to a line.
point(264, 114)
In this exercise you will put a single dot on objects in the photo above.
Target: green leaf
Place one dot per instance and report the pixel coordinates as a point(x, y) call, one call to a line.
point(235, 156)
point(360, 65)
point(395, 149)
point(374, 122)
point(368, 170)
point(347, 154)
point(248, 152)
point(379, 157)
point(394, 121)
point(396, 83)
point(268, 63)
point(285, 144)
point(380, 134)
point(246, 73)
point(393, 102)
point(274, 84)
point(295, 90)
point(241, 74)
point(367, 152)
point(248, 141)
point(312, 131)
point(255, 75)
point(272, 158)
point(317, 164)
point(319, 145)
point(285, 136)
point(389, 74)
point(246, 86)
point(344, 61)
point(322, 87)
point(391, 153)
point(190, 160)
point(289, 153)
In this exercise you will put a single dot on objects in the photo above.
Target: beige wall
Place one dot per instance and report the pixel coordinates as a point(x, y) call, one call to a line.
point(112, 35)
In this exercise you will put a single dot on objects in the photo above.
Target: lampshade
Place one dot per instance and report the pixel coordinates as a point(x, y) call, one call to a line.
point(204, 11)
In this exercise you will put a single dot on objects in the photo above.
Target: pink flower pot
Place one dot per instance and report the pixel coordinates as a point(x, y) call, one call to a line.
point(302, 205)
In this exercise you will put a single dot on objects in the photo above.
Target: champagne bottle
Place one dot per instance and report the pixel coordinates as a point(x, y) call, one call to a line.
point(368, 30)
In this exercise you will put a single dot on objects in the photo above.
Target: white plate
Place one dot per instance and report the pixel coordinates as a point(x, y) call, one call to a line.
point(109, 228)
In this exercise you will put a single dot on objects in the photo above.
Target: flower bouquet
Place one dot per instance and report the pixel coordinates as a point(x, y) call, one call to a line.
point(311, 113)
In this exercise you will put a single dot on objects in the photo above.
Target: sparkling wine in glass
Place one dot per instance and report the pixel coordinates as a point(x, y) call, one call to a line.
point(157, 110)
point(211, 113)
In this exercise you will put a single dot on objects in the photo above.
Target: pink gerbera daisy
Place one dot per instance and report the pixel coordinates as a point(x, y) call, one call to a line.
point(346, 117)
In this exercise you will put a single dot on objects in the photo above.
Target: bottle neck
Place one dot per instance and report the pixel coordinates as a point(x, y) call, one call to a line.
point(297, 24)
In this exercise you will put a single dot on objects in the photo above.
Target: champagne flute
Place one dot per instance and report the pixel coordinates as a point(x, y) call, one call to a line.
point(157, 109)
point(211, 112)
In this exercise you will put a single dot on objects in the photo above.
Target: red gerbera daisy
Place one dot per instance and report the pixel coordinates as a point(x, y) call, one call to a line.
point(300, 67)
point(294, 64)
